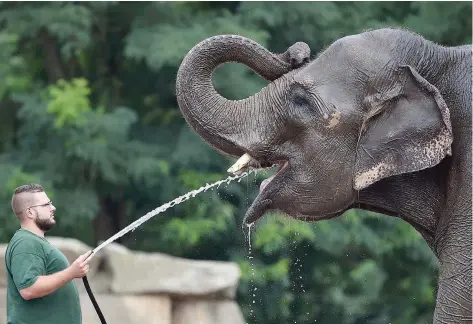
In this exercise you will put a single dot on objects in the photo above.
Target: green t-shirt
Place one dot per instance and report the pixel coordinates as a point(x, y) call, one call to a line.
point(27, 257)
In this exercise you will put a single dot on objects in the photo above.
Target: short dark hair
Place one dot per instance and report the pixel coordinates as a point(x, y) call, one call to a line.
point(16, 203)
point(32, 187)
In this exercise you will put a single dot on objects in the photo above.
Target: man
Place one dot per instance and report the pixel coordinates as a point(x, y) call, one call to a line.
point(39, 277)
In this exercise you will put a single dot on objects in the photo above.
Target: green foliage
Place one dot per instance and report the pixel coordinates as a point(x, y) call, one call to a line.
point(167, 30)
point(70, 23)
point(345, 265)
point(444, 23)
point(88, 110)
point(13, 75)
point(271, 237)
point(69, 101)
point(17, 178)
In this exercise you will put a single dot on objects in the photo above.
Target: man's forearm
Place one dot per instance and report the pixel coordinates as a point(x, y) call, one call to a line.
point(47, 284)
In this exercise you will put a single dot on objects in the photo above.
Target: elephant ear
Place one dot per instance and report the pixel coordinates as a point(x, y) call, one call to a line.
point(407, 129)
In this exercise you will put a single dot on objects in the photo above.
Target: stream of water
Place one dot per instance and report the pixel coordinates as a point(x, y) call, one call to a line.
point(253, 287)
point(167, 205)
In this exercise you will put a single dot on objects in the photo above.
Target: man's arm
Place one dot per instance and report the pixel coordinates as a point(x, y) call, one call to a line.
point(45, 285)
point(28, 274)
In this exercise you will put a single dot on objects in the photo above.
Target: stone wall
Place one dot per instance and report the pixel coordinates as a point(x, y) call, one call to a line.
point(134, 287)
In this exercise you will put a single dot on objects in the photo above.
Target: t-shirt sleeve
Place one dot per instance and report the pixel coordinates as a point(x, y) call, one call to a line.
point(26, 268)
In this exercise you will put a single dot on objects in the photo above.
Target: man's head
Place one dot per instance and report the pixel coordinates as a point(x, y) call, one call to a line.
point(32, 206)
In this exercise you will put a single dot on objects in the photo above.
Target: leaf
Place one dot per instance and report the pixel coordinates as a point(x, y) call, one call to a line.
point(69, 101)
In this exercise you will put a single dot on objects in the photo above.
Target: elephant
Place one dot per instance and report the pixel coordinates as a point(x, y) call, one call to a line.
point(379, 120)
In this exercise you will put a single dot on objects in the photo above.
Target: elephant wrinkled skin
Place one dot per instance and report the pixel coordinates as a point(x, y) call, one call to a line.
point(379, 121)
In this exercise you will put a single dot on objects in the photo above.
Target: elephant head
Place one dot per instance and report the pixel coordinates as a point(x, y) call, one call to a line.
point(363, 110)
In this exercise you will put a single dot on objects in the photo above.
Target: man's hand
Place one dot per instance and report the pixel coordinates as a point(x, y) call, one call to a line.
point(80, 266)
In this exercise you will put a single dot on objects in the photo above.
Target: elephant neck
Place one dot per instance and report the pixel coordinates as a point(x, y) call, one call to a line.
point(455, 84)
point(417, 198)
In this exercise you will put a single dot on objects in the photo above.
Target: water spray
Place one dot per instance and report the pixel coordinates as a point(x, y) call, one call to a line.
point(146, 217)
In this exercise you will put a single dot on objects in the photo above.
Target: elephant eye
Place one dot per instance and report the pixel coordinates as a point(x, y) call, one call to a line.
point(299, 97)
point(300, 100)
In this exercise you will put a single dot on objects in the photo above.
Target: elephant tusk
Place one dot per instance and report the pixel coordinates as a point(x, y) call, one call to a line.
point(246, 162)
point(240, 164)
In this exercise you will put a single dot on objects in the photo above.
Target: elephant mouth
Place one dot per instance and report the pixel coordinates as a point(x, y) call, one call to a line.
point(281, 166)
point(247, 163)
point(266, 197)
point(267, 194)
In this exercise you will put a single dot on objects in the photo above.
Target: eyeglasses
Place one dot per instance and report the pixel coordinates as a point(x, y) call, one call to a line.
point(49, 203)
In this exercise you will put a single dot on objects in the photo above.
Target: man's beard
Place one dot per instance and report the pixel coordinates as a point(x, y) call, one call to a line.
point(44, 224)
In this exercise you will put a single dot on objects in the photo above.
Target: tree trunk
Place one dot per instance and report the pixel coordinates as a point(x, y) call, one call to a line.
point(52, 64)
point(109, 221)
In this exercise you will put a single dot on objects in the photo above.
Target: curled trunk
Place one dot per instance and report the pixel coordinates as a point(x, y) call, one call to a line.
point(227, 124)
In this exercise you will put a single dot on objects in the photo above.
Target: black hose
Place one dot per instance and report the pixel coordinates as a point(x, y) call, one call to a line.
point(92, 298)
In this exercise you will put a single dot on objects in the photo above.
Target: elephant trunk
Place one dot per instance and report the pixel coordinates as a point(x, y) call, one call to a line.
point(226, 124)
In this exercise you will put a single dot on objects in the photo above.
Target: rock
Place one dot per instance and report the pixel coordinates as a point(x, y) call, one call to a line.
point(127, 309)
point(3, 305)
point(134, 272)
point(207, 312)
point(3, 269)
point(99, 283)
